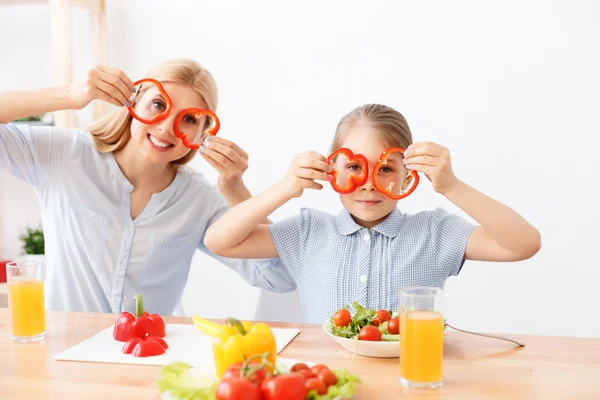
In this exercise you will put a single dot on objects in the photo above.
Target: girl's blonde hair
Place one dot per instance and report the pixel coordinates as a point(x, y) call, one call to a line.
point(112, 132)
point(388, 123)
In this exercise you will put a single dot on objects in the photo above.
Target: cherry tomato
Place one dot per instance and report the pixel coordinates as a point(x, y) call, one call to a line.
point(316, 385)
point(305, 373)
point(370, 333)
point(342, 317)
point(257, 377)
point(237, 389)
point(394, 326)
point(327, 377)
point(317, 368)
point(298, 367)
point(289, 387)
point(381, 317)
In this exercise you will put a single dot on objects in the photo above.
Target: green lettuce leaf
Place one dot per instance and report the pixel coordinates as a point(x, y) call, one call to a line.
point(176, 379)
point(345, 387)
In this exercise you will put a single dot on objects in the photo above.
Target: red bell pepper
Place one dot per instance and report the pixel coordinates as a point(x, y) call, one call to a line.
point(354, 180)
point(148, 347)
point(142, 325)
point(196, 112)
point(388, 190)
point(157, 117)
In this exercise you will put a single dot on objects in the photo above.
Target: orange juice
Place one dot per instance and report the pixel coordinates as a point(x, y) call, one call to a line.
point(26, 300)
point(421, 346)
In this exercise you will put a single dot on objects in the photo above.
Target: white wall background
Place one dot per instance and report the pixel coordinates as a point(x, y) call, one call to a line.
point(512, 88)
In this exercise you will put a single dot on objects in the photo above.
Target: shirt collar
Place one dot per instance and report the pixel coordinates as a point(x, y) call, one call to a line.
point(389, 227)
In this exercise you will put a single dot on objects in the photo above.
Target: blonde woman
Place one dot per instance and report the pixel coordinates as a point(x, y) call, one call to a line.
point(122, 214)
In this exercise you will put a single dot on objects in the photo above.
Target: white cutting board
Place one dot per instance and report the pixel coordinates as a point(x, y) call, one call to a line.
point(186, 343)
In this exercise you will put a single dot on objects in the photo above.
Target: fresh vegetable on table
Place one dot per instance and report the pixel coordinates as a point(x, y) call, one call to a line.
point(140, 325)
point(252, 381)
point(365, 324)
point(237, 341)
point(147, 347)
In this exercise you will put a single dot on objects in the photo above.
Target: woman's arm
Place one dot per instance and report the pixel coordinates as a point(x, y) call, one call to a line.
point(104, 83)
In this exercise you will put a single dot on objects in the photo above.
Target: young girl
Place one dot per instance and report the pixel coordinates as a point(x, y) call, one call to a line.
point(122, 214)
point(371, 249)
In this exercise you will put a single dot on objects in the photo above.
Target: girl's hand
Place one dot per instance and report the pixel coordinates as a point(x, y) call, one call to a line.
point(432, 160)
point(229, 159)
point(304, 170)
point(104, 83)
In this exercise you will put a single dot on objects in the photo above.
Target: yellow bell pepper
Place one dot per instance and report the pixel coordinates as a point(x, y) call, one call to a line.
point(238, 341)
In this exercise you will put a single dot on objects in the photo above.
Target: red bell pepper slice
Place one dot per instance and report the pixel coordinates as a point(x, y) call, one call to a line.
point(158, 117)
point(354, 180)
point(388, 190)
point(148, 347)
point(196, 112)
point(142, 325)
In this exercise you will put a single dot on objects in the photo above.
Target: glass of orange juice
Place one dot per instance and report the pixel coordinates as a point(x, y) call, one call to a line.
point(421, 337)
point(26, 300)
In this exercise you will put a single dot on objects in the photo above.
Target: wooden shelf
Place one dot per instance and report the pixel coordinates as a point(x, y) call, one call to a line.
point(62, 58)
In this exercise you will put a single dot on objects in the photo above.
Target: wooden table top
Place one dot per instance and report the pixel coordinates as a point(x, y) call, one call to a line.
point(474, 367)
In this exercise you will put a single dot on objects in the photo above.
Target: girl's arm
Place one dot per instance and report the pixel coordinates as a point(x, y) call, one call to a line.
point(103, 83)
point(503, 235)
point(240, 234)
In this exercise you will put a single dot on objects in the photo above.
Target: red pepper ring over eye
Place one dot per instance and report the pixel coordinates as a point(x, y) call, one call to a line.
point(158, 116)
point(388, 189)
point(197, 114)
point(353, 180)
point(152, 104)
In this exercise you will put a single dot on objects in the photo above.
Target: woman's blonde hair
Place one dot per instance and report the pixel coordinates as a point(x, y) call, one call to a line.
point(112, 132)
point(388, 123)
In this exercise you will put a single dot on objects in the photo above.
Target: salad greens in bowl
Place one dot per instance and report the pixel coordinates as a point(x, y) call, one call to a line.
point(367, 332)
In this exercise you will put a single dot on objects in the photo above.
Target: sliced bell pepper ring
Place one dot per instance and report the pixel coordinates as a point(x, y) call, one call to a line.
point(148, 347)
point(142, 325)
point(197, 113)
point(354, 180)
point(238, 341)
point(388, 190)
point(157, 117)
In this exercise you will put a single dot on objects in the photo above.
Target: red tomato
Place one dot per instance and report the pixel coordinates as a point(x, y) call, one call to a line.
point(298, 367)
point(327, 377)
point(370, 333)
point(257, 377)
point(380, 317)
point(317, 368)
point(342, 318)
point(237, 389)
point(288, 387)
point(316, 385)
point(394, 326)
point(305, 374)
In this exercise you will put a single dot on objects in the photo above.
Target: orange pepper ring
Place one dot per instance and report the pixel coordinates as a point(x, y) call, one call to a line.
point(387, 191)
point(157, 118)
point(354, 180)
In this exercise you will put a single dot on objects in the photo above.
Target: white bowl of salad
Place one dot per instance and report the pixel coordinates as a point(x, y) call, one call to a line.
point(367, 332)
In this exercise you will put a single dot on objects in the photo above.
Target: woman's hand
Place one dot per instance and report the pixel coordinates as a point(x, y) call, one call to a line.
point(103, 83)
point(229, 159)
